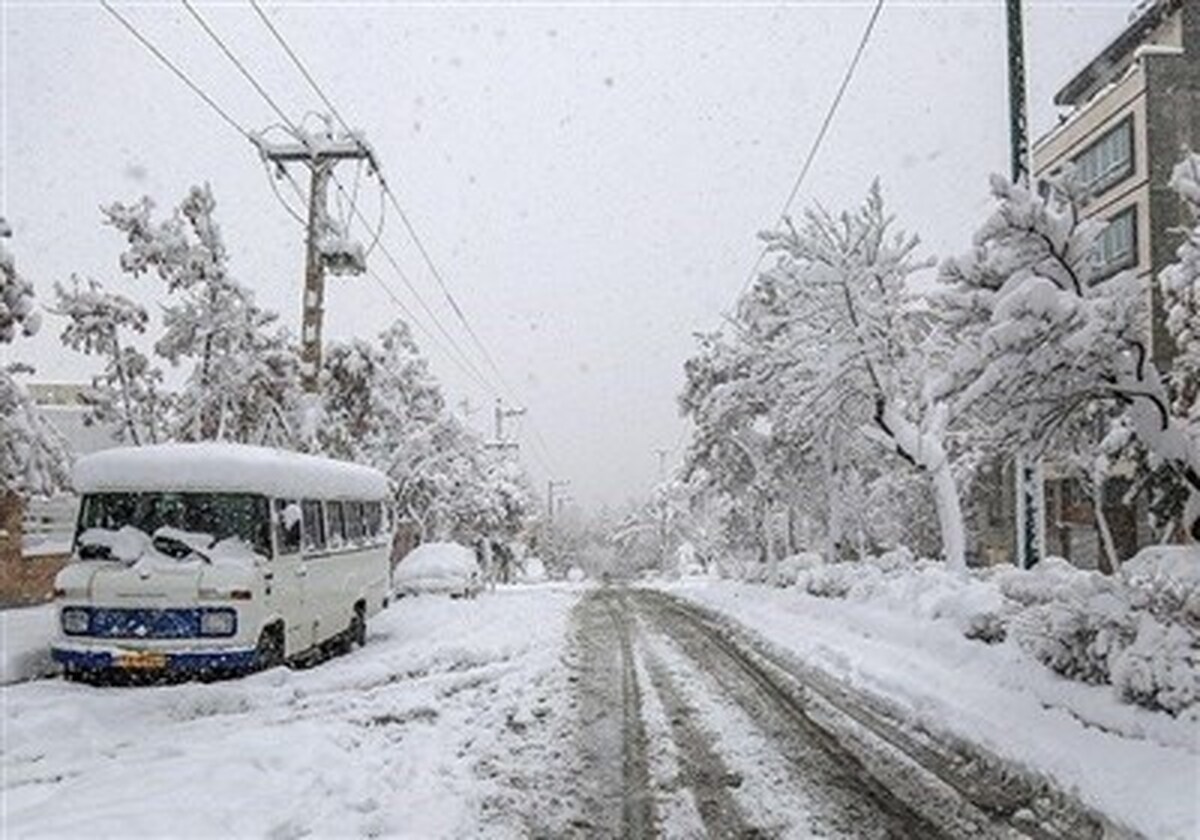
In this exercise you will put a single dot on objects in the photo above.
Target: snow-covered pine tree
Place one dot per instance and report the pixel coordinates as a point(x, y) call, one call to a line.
point(127, 394)
point(242, 383)
point(33, 457)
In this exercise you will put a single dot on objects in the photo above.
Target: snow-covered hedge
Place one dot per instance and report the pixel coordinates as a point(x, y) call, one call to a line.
point(1138, 631)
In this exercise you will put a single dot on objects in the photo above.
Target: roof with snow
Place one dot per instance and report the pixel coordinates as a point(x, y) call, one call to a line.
point(227, 467)
point(1108, 64)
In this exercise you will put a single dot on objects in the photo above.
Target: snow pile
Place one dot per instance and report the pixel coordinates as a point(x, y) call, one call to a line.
point(214, 467)
point(1139, 632)
point(533, 570)
point(25, 636)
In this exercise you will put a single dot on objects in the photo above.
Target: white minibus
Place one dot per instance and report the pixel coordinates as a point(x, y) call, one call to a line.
point(208, 558)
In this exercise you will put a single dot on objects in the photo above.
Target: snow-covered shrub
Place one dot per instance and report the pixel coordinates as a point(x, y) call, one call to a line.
point(754, 573)
point(1161, 668)
point(839, 580)
point(1054, 579)
point(791, 567)
point(1166, 580)
point(894, 560)
point(1078, 635)
point(987, 626)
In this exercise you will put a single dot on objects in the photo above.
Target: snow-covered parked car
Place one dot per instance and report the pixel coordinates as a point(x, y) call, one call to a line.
point(210, 558)
point(439, 568)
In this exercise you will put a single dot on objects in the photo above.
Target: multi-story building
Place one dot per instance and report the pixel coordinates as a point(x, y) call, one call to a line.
point(1128, 117)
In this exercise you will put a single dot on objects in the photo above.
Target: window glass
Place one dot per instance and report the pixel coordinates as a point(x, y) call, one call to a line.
point(354, 523)
point(216, 516)
point(337, 523)
point(287, 526)
point(314, 525)
point(1116, 246)
point(374, 512)
point(1108, 160)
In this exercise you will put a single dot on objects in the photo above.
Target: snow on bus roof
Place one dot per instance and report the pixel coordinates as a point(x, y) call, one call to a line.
point(226, 467)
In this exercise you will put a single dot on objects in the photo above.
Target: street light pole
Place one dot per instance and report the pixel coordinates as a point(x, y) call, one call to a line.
point(1030, 506)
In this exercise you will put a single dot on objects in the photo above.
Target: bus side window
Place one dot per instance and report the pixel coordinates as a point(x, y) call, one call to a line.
point(374, 511)
point(287, 526)
point(354, 522)
point(337, 524)
point(314, 525)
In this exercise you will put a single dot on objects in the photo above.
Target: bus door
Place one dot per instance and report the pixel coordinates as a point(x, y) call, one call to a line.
point(288, 572)
point(323, 607)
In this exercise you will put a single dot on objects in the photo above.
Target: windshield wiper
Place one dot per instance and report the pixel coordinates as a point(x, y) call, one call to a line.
point(95, 551)
point(177, 548)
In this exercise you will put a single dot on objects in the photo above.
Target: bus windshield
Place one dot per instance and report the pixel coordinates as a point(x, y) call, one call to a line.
point(218, 515)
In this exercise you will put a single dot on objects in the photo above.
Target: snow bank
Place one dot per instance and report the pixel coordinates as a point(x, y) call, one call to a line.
point(25, 636)
point(1138, 632)
point(226, 467)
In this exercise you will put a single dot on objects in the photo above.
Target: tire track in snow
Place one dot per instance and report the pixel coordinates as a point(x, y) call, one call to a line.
point(838, 793)
point(619, 800)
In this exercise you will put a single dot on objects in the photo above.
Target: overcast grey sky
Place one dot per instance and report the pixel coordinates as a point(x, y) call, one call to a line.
point(588, 177)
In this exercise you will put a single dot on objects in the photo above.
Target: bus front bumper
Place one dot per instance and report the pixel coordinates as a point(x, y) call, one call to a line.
point(154, 661)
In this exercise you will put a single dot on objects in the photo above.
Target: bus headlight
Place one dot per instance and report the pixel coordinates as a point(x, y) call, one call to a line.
point(75, 621)
point(218, 622)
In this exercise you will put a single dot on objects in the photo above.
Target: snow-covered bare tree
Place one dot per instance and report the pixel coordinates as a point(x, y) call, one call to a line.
point(242, 385)
point(383, 406)
point(1045, 334)
point(836, 342)
point(33, 458)
point(1180, 284)
point(127, 393)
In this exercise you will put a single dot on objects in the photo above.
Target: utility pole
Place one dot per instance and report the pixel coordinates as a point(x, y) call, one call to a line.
point(662, 463)
point(551, 486)
point(502, 414)
point(1018, 128)
point(1030, 512)
point(327, 247)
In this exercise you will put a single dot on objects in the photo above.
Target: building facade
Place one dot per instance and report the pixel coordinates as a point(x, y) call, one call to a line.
point(1129, 116)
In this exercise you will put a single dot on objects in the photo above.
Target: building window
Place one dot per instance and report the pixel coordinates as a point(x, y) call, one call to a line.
point(1116, 246)
point(1107, 161)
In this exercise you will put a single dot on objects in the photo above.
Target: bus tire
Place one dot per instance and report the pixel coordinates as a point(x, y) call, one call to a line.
point(270, 647)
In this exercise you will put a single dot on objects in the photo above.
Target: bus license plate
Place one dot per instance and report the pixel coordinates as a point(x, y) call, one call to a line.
point(142, 660)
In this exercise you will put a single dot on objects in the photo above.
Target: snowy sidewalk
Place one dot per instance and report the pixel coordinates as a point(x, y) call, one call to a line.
point(1140, 768)
point(420, 733)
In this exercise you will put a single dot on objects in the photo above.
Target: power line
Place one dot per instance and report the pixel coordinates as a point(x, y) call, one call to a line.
point(299, 64)
point(208, 100)
point(819, 139)
point(238, 64)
